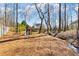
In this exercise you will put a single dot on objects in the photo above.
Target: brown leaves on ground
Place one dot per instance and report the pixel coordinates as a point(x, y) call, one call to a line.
point(42, 45)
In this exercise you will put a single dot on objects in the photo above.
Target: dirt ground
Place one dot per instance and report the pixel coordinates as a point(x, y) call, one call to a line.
point(36, 46)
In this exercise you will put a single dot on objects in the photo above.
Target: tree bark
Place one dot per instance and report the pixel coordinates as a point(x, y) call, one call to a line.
point(78, 17)
point(65, 17)
point(5, 14)
point(49, 25)
point(59, 17)
point(40, 18)
point(16, 17)
point(67, 22)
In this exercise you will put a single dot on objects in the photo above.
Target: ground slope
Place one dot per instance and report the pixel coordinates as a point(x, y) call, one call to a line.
point(41, 45)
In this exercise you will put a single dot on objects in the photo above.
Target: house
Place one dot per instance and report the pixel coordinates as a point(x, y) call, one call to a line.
point(36, 27)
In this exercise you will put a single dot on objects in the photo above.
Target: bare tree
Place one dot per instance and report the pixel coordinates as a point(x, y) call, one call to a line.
point(78, 28)
point(40, 18)
point(49, 25)
point(5, 14)
point(59, 17)
point(71, 18)
point(67, 22)
point(65, 17)
point(4, 21)
point(71, 22)
point(16, 17)
point(78, 17)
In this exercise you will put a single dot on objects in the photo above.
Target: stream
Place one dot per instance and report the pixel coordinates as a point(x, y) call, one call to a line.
point(75, 49)
point(70, 39)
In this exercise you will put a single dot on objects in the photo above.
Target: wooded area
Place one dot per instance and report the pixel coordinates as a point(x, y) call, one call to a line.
point(22, 21)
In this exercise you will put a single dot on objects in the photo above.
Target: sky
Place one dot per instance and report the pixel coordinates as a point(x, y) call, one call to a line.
point(32, 15)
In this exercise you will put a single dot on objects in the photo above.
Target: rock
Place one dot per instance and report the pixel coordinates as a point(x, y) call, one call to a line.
point(66, 34)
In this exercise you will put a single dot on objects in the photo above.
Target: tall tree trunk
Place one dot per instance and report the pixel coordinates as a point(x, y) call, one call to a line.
point(40, 18)
point(41, 26)
point(71, 19)
point(59, 17)
point(4, 21)
point(5, 14)
point(14, 11)
point(12, 17)
point(67, 22)
point(65, 17)
point(78, 28)
point(78, 17)
point(62, 24)
point(16, 17)
point(49, 25)
point(71, 22)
